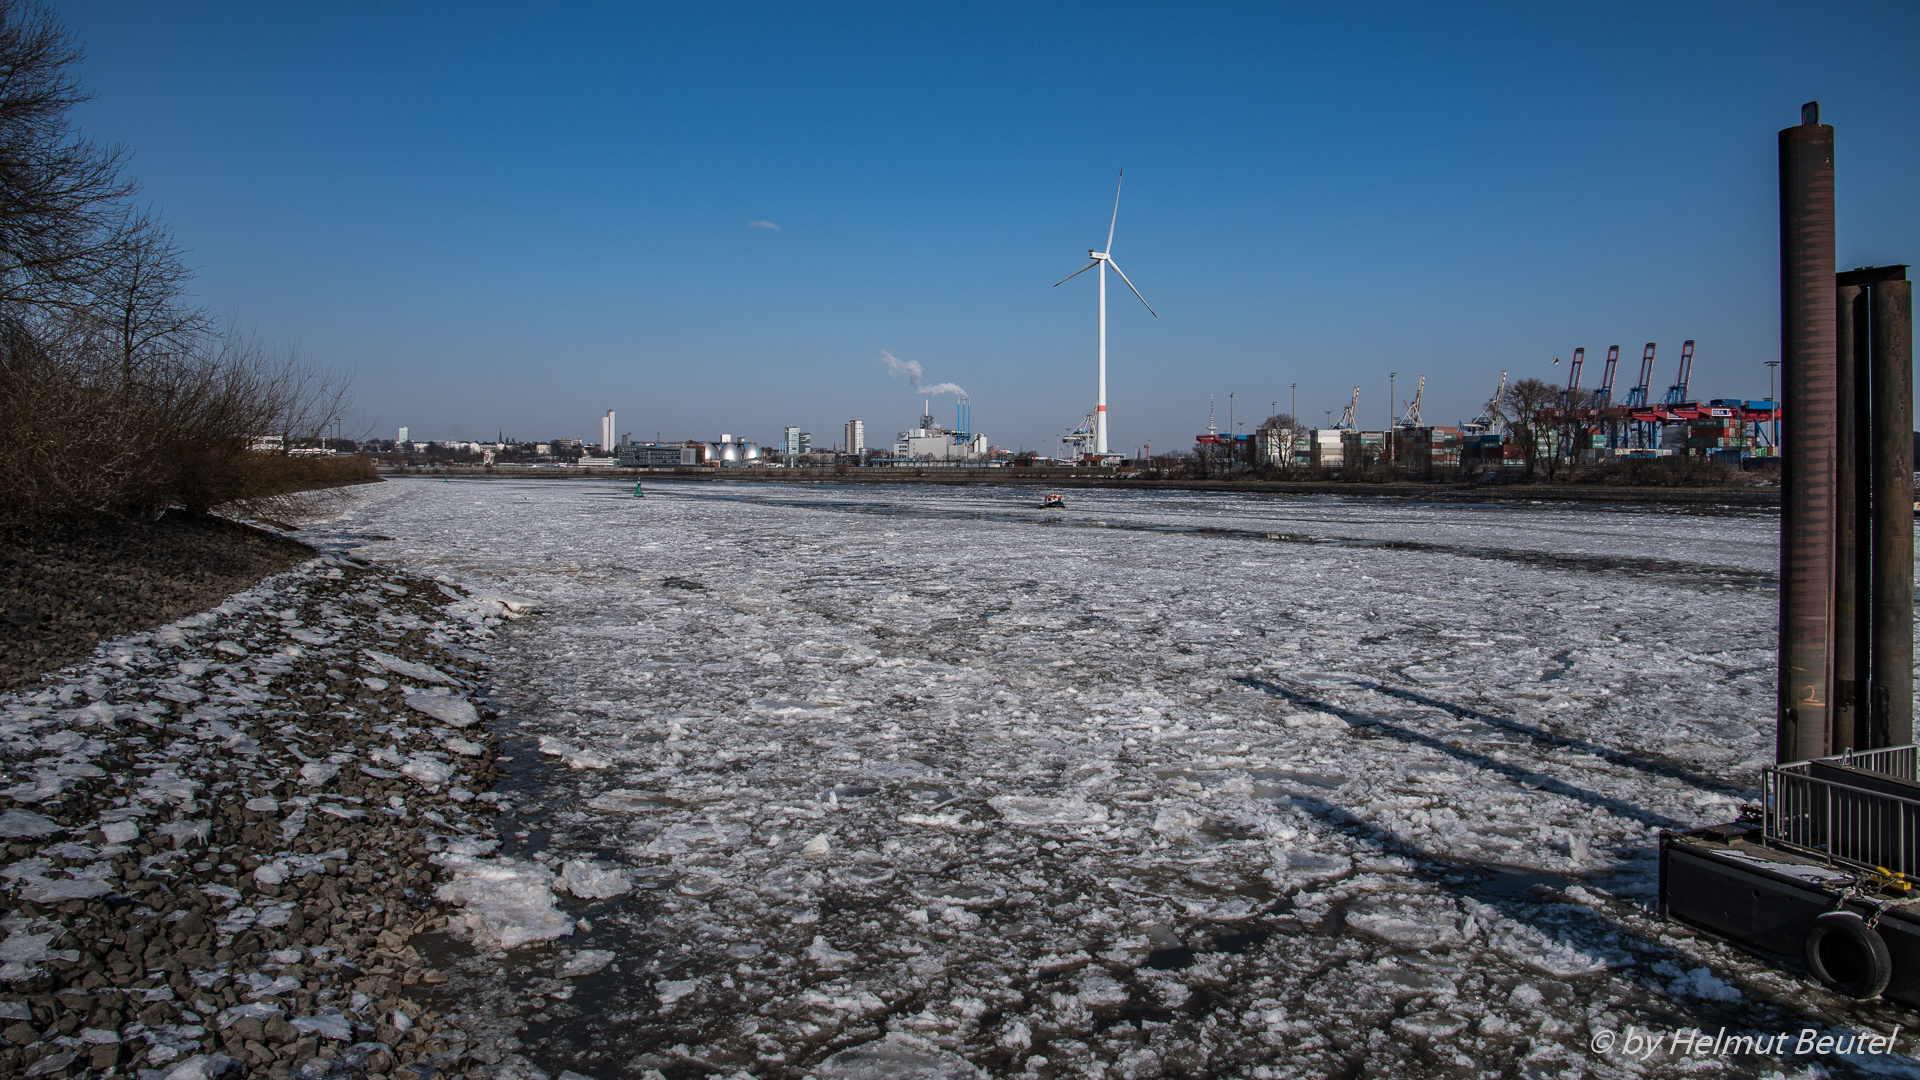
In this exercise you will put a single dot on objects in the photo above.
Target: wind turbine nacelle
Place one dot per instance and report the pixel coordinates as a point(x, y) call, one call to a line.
point(1096, 255)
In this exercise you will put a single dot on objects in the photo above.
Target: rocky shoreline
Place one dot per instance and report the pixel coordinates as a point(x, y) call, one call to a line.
point(222, 837)
point(65, 589)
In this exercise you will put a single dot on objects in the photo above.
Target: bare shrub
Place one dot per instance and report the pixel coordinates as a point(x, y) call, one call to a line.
point(180, 433)
point(1672, 471)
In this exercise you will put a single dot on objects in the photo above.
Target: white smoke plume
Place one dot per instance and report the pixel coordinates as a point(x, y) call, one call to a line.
point(914, 372)
point(896, 366)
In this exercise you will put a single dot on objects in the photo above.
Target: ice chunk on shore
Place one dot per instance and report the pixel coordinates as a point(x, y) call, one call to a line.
point(449, 710)
point(60, 890)
point(183, 832)
point(28, 944)
point(407, 668)
point(427, 770)
point(325, 1025)
point(318, 773)
point(120, 832)
point(507, 902)
point(26, 823)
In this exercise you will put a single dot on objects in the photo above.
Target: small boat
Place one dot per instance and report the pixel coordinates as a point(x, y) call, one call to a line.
point(1054, 502)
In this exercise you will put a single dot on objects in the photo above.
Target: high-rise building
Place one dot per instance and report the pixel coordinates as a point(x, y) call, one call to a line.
point(607, 437)
point(856, 436)
point(403, 435)
point(790, 443)
point(806, 442)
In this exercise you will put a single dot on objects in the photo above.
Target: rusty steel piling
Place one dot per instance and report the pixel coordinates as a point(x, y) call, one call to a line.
point(1852, 588)
point(1890, 369)
point(1809, 465)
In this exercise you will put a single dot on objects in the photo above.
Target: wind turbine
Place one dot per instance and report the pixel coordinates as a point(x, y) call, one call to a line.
point(1104, 259)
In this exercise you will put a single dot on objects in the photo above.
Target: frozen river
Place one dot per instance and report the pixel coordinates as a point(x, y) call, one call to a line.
point(1163, 784)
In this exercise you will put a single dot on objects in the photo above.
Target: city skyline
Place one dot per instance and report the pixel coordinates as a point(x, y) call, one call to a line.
point(732, 216)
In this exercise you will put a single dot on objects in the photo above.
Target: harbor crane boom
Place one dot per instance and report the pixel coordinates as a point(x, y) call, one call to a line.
point(1637, 397)
point(1347, 418)
point(1603, 397)
point(1677, 393)
point(1573, 370)
point(1410, 418)
point(1489, 417)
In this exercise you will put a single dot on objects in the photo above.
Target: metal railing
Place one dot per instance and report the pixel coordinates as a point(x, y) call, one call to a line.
point(1843, 816)
point(1900, 761)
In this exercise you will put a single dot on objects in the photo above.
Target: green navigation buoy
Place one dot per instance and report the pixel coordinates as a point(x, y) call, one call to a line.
point(637, 493)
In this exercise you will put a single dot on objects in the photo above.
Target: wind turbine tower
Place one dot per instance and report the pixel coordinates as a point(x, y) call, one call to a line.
point(1104, 259)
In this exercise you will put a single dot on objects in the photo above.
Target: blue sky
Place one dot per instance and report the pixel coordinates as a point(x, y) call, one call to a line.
point(517, 216)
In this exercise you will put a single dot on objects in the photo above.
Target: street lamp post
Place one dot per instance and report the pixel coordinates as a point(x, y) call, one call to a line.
point(1774, 404)
point(1389, 449)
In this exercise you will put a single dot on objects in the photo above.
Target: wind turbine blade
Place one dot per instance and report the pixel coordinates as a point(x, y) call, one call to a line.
point(1136, 292)
point(1116, 209)
point(1077, 273)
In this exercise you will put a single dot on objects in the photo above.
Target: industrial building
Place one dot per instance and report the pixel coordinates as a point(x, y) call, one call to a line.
point(932, 443)
point(656, 455)
point(728, 451)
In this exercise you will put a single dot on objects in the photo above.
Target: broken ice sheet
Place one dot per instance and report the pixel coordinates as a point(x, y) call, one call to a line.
point(1168, 660)
point(584, 962)
point(506, 902)
point(1028, 810)
point(575, 757)
point(589, 882)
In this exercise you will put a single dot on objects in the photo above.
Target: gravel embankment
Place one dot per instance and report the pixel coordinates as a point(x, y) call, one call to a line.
point(218, 836)
point(62, 591)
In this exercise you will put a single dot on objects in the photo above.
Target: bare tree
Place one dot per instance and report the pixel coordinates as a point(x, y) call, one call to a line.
point(1290, 435)
point(139, 289)
point(60, 193)
point(1529, 406)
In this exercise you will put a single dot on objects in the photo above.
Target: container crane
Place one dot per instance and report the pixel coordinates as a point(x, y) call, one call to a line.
point(1603, 397)
point(1079, 442)
point(1637, 397)
point(1411, 417)
point(1489, 417)
point(1677, 393)
point(1346, 418)
point(1573, 371)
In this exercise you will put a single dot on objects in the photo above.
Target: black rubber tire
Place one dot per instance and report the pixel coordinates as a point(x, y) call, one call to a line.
point(1848, 956)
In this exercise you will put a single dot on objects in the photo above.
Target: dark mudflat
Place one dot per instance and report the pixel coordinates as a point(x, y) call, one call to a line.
point(63, 590)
